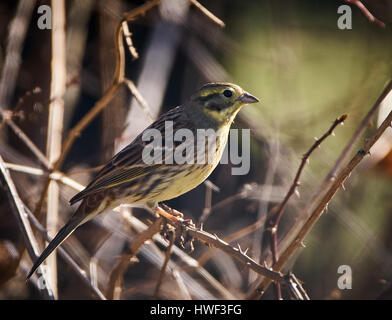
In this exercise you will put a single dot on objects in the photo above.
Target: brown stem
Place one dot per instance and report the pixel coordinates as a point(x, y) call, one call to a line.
point(332, 185)
point(117, 272)
point(366, 12)
point(165, 263)
point(18, 210)
point(275, 219)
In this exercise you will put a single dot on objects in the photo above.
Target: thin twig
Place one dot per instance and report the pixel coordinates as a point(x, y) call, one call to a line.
point(139, 97)
point(213, 240)
point(234, 236)
point(67, 258)
point(164, 265)
point(208, 13)
point(273, 222)
point(128, 40)
point(57, 176)
point(237, 253)
point(366, 12)
point(55, 122)
point(361, 128)
point(30, 242)
point(115, 280)
point(16, 35)
point(210, 187)
point(296, 288)
point(189, 262)
point(141, 10)
point(6, 117)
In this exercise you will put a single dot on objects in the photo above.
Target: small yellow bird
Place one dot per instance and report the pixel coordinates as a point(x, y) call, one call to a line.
point(127, 178)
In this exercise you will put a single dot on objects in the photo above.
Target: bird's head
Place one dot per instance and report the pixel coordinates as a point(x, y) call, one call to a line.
point(220, 102)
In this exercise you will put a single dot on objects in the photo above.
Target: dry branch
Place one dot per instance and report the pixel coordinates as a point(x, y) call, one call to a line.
point(18, 210)
point(56, 176)
point(331, 185)
point(366, 12)
point(55, 122)
point(237, 253)
point(165, 262)
point(208, 13)
point(7, 118)
point(16, 35)
point(273, 222)
point(115, 282)
point(81, 273)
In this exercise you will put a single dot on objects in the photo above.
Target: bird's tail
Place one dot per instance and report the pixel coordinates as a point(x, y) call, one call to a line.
point(63, 234)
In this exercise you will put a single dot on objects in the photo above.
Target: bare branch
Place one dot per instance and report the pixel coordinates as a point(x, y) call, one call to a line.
point(366, 12)
point(55, 122)
point(164, 265)
point(318, 203)
point(6, 117)
point(81, 273)
point(208, 13)
point(20, 214)
point(16, 35)
point(57, 176)
point(115, 281)
point(273, 222)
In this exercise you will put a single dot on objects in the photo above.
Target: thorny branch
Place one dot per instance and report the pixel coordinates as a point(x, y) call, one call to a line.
point(237, 253)
point(318, 203)
point(273, 222)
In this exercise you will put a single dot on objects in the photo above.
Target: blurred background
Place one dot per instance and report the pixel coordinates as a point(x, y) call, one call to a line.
point(306, 72)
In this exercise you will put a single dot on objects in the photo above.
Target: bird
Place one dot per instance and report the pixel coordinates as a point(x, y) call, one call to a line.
point(129, 179)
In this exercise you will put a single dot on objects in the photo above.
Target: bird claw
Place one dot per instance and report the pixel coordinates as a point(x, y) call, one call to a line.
point(188, 223)
point(172, 211)
point(175, 216)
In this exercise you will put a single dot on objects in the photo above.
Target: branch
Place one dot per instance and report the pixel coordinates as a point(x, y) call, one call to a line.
point(55, 122)
point(215, 241)
point(335, 183)
point(273, 222)
point(362, 126)
point(16, 36)
point(237, 253)
point(7, 118)
point(81, 273)
point(164, 265)
point(115, 280)
point(189, 262)
point(366, 12)
point(57, 176)
point(18, 210)
point(208, 13)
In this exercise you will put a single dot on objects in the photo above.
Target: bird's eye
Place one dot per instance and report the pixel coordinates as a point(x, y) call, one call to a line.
point(227, 93)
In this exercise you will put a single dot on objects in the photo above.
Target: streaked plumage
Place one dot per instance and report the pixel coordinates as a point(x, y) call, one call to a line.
point(128, 179)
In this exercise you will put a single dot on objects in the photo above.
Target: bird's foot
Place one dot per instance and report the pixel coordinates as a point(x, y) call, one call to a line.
point(168, 216)
point(189, 223)
point(174, 216)
point(172, 211)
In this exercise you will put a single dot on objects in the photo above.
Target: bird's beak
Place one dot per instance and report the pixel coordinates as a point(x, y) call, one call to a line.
point(248, 98)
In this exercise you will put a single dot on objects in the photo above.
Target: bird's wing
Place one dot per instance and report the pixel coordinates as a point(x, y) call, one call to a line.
point(127, 165)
